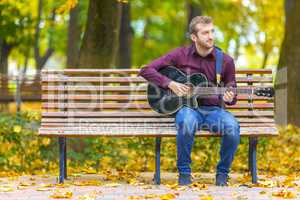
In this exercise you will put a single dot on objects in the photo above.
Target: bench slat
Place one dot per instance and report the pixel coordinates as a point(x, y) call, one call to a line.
point(95, 88)
point(141, 120)
point(135, 71)
point(153, 125)
point(136, 97)
point(105, 88)
point(143, 114)
point(96, 105)
point(92, 79)
point(245, 131)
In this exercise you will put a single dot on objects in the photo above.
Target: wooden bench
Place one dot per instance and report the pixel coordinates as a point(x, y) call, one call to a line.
point(111, 102)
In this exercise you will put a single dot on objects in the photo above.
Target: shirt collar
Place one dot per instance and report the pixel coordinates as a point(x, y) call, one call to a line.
point(212, 54)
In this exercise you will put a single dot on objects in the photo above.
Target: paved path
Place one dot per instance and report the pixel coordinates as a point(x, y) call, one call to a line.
point(131, 186)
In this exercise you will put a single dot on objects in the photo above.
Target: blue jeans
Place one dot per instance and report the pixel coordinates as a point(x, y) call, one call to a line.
point(212, 118)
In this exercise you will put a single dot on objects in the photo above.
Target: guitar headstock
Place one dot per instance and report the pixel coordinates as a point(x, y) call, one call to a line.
point(265, 92)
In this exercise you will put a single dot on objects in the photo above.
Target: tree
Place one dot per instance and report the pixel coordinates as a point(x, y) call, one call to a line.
point(123, 59)
point(101, 37)
point(73, 37)
point(193, 10)
point(288, 71)
point(42, 59)
point(15, 26)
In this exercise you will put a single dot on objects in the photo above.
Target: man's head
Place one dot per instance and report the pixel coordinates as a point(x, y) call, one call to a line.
point(201, 29)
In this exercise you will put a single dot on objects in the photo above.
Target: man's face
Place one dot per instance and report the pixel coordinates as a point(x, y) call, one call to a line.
point(205, 35)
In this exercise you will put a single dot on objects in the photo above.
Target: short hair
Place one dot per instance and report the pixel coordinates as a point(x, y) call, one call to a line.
point(199, 20)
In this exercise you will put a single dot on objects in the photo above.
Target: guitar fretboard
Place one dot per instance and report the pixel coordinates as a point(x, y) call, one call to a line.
point(220, 90)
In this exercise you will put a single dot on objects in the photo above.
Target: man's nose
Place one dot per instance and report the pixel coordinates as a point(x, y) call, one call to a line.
point(211, 35)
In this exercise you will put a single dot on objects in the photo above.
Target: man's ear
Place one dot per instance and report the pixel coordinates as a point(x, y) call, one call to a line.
point(193, 37)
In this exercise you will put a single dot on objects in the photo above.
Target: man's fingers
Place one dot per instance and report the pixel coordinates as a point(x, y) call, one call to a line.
point(228, 96)
point(184, 89)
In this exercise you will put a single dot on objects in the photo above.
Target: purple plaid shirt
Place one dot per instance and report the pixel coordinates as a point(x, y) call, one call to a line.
point(189, 61)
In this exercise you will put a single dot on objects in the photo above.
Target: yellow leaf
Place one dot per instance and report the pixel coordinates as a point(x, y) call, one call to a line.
point(87, 197)
point(199, 186)
point(147, 187)
point(43, 189)
point(47, 185)
point(207, 197)
point(112, 184)
point(88, 183)
point(135, 197)
point(284, 193)
point(89, 171)
point(58, 194)
point(46, 141)
point(26, 184)
point(262, 192)
point(62, 185)
point(5, 189)
point(266, 183)
point(168, 196)
point(17, 129)
point(20, 187)
point(150, 196)
point(67, 6)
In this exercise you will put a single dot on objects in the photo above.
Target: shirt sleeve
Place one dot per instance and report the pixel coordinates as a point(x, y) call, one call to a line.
point(150, 71)
point(229, 78)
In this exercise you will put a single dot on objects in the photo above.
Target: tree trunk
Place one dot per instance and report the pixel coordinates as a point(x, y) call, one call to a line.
point(73, 38)
point(5, 50)
point(193, 10)
point(265, 60)
point(125, 38)
point(100, 41)
point(287, 84)
point(41, 59)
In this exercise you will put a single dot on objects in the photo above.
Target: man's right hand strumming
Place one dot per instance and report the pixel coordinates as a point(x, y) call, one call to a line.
point(178, 88)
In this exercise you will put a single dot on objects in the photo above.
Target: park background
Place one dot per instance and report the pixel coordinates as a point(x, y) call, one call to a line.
point(58, 34)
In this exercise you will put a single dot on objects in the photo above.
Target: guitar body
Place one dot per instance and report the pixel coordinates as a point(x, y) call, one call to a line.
point(164, 101)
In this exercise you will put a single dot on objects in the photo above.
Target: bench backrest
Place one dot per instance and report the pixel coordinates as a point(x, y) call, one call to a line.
point(119, 95)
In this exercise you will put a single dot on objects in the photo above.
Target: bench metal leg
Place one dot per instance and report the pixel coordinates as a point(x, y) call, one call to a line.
point(252, 158)
point(62, 159)
point(157, 161)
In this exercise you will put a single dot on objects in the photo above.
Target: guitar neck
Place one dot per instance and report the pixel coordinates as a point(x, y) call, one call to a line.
point(220, 90)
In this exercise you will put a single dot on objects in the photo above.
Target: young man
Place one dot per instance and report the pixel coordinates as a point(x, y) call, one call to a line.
point(200, 57)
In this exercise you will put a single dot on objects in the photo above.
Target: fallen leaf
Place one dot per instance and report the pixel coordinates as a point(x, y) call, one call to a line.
point(262, 192)
point(58, 194)
point(284, 193)
point(112, 184)
point(168, 196)
point(89, 170)
point(6, 189)
point(43, 189)
point(47, 185)
point(87, 197)
point(150, 196)
point(206, 197)
point(88, 183)
point(135, 197)
point(20, 187)
point(266, 184)
point(199, 186)
point(26, 184)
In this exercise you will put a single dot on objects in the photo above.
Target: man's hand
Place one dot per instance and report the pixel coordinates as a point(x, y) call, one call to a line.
point(228, 96)
point(179, 89)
